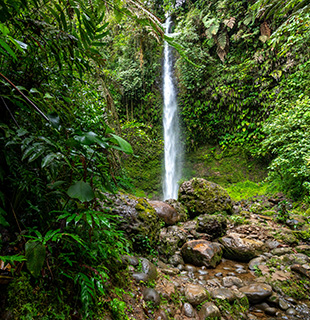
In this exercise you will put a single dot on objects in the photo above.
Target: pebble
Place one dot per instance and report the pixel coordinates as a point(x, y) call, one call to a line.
point(291, 312)
point(219, 274)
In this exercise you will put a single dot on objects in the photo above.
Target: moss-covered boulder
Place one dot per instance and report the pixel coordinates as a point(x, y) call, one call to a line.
point(200, 196)
point(214, 225)
point(138, 219)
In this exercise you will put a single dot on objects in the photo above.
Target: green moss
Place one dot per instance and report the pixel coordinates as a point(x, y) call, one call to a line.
point(295, 288)
point(224, 167)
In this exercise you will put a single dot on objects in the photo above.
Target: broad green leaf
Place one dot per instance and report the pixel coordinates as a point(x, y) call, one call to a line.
point(7, 48)
point(4, 30)
point(35, 253)
point(123, 144)
point(81, 191)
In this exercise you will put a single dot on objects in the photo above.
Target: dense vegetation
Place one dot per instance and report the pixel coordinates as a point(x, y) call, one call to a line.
point(78, 79)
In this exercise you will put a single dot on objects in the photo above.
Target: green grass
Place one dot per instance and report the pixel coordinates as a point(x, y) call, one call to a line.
point(247, 189)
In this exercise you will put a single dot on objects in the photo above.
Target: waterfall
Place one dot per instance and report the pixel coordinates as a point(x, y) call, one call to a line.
point(173, 150)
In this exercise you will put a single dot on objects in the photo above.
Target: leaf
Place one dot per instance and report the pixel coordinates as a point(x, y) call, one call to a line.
point(54, 119)
point(3, 222)
point(7, 48)
point(222, 41)
point(123, 144)
point(35, 253)
point(48, 159)
point(82, 191)
point(34, 90)
point(47, 96)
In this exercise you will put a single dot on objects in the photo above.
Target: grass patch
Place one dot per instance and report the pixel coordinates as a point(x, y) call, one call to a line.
point(247, 189)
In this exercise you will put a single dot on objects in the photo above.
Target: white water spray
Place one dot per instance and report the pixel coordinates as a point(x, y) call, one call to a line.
point(173, 152)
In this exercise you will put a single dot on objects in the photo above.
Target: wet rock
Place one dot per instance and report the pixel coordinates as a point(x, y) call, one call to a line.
point(223, 294)
point(176, 259)
point(165, 212)
point(257, 292)
point(200, 196)
point(149, 269)
point(195, 294)
point(178, 206)
point(140, 276)
point(295, 258)
point(170, 240)
point(281, 251)
point(213, 225)
point(291, 312)
point(232, 281)
point(274, 298)
point(209, 311)
point(202, 253)
point(188, 310)
point(149, 294)
point(241, 249)
point(133, 261)
point(171, 271)
point(138, 218)
point(272, 244)
point(284, 305)
point(256, 262)
point(301, 270)
point(305, 249)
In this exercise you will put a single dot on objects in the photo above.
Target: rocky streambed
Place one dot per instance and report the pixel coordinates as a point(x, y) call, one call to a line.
point(215, 259)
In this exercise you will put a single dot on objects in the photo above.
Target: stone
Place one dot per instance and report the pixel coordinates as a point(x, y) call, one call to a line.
point(165, 212)
point(209, 311)
point(257, 292)
point(188, 310)
point(256, 262)
point(133, 261)
point(170, 239)
point(241, 249)
point(291, 312)
point(176, 260)
point(140, 276)
point(149, 269)
point(284, 305)
point(281, 251)
point(150, 294)
point(223, 294)
point(138, 219)
point(213, 225)
point(195, 294)
point(178, 206)
point(202, 253)
point(295, 258)
point(232, 281)
point(304, 248)
point(200, 196)
point(162, 315)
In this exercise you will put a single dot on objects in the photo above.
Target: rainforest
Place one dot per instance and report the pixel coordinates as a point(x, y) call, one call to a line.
point(114, 206)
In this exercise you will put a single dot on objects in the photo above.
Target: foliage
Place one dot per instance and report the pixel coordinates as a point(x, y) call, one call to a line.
point(286, 139)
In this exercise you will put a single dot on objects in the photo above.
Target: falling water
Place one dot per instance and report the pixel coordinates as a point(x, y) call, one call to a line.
point(172, 144)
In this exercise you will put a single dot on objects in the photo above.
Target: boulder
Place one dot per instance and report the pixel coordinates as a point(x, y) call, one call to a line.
point(213, 225)
point(223, 294)
point(257, 292)
point(241, 249)
point(209, 311)
point(178, 206)
point(171, 239)
point(195, 294)
point(138, 219)
point(202, 253)
point(165, 212)
point(200, 196)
